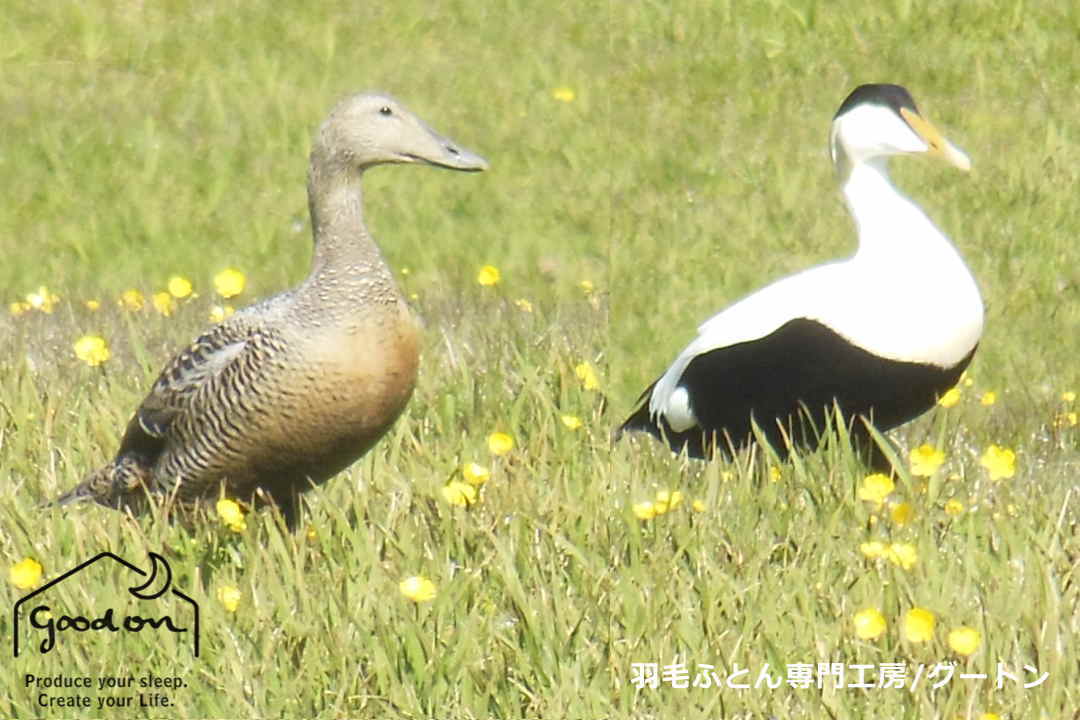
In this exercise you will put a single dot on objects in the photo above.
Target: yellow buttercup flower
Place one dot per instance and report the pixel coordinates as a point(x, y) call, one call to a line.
point(563, 94)
point(458, 493)
point(903, 554)
point(229, 283)
point(873, 549)
point(953, 507)
point(132, 300)
point(488, 276)
point(179, 287)
point(524, 305)
point(667, 500)
point(572, 422)
point(699, 505)
point(1067, 419)
point(418, 589)
point(19, 308)
point(475, 474)
point(999, 462)
point(775, 474)
point(645, 510)
point(950, 398)
point(219, 313)
point(586, 286)
point(229, 597)
point(586, 373)
point(500, 443)
point(25, 574)
point(988, 398)
point(93, 305)
point(1068, 396)
point(43, 300)
point(92, 350)
point(164, 303)
point(918, 625)
point(231, 514)
point(901, 514)
point(869, 624)
point(964, 640)
point(925, 460)
point(875, 488)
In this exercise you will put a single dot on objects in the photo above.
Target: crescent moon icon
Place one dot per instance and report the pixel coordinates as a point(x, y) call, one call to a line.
point(142, 591)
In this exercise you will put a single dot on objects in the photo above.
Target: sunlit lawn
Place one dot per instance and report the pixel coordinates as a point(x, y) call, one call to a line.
point(651, 162)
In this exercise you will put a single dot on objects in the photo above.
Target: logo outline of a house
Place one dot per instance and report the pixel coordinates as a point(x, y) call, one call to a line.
point(154, 558)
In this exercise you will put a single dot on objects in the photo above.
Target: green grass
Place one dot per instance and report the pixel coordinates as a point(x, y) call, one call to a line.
point(145, 140)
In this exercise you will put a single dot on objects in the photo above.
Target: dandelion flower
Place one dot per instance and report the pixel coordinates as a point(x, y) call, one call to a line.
point(1000, 462)
point(586, 373)
point(699, 505)
point(563, 94)
point(524, 305)
point(132, 300)
point(475, 474)
point(43, 300)
point(25, 574)
point(231, 514)
point(229, 283)
point(458, 493)
point(988, 398)
point(488, 276)
point(418, 589)
point(220, 313)
point(950, 398)
point(229, 597)
point(918, 625)
point(953, 507)
point(92, 305)
point(645, 510)
point(903, 554)
point(964, 640)
point(572, 422)
point(873, 549)
point(875, 488)
point(164, 303)
point(901, 514)
point(179, 287)
point(499, 443)
point(925, 460)
point(869, 623)
point(92, 350)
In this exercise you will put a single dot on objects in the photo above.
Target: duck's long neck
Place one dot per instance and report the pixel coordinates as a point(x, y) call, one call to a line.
point(925, 296)
point(889, 225)
point(347, 267)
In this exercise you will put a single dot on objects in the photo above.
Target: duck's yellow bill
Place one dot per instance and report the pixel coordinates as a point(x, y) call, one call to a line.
point(937, 143)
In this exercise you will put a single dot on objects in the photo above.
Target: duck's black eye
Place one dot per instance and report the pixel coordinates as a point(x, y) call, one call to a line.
point(385, 110)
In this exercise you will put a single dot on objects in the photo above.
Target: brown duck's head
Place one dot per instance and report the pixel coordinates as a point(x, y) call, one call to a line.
point(371, 129)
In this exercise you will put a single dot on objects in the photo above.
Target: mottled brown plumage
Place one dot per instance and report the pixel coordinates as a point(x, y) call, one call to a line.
point(290, 391)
